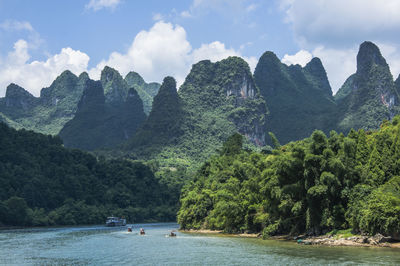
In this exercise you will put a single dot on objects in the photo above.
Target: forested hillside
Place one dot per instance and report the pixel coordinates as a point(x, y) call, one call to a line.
point(43, 183)
point(309, 186)
point(299, 99)
point(184, 127)
point(368, 96)
point(99, 123)
point(48, 113)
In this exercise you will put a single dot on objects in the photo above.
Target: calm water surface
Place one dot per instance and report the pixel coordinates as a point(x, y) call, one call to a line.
point(98, 245)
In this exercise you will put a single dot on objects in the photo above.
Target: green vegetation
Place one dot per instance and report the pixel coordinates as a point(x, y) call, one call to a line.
point(184, 127)
point(47, 114)
point(313, 185)
point(337, 234)
point(299, 99)
point(58, 103)
point(98, 124)
point(310, 186)
point(368, 96)
point(43, 183)
point(146, 91)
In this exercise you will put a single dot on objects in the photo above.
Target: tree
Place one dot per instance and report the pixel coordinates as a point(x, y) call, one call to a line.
point(18, 211)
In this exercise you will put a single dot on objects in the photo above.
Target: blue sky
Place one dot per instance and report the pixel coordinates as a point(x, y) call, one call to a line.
point(40, 39)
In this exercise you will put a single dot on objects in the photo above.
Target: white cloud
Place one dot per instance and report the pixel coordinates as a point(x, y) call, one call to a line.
point(157, 17)
point(333, 31)
point(342, 21)
point(251, 7)
point(164, 51)
point(96, 5)
point(161, 51)
point(338, 63)
point(232, 8)
point(33, 76)
point(341, 63)
point(391, 53)
point(214, 51)
point(302, 57)
point(15, 25)
point(186, 14)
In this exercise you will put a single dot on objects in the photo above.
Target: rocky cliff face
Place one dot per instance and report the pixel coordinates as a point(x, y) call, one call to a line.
point(225, 89)
point(397, 91)
point(368, 96)
point(115, 87)
point(18, 98)
point(299, 99)
point(62, 87)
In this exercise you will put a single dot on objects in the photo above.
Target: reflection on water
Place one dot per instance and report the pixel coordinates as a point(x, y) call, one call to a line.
point(98, 245)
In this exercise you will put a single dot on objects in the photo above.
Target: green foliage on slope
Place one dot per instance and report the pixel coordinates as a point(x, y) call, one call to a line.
point(299, 99)
point(215, 101)
point(98, 124)
point(310, 186)
point(369, 95)
point(43, 183)
point(47, 114)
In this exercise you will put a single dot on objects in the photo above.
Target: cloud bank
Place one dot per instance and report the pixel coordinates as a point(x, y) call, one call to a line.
point(164, 51)
point(97, 5)
point(333, 31)
point(161, 51)
point(35, 75)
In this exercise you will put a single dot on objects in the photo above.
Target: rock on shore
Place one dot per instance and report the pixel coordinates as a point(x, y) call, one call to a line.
point(363, 241)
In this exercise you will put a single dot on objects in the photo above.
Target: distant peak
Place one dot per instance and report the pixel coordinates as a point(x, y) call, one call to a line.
point(368, 55)
point(133, 78)
point(202, 63)
point(66, 75)
point(268, 62)
point(315, 67)
point(108, 69)
point(109, 73)
point(315, 62)
point(83, 75)
point(169, 83)
point(14, 90)
point(268, 55)
point(18, 97)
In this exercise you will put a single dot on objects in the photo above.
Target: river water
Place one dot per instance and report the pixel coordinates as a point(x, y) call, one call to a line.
point(98, 245)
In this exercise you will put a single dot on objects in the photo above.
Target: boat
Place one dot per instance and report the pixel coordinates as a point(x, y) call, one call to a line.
point(171, 234)
point(115, 221)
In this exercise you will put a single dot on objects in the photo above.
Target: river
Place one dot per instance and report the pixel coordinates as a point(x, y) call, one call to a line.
point(98, 245)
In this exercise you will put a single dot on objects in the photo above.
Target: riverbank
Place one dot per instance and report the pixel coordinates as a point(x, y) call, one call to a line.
point(354, 241)
point(326, 240)
point(220, 232)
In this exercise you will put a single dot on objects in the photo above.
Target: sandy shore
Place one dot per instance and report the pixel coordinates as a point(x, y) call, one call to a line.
point(207, 231)
point(354, 241)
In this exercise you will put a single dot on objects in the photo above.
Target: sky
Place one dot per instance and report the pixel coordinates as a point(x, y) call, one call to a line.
point(42, 38)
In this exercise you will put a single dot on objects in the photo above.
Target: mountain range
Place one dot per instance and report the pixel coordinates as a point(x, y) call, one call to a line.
point(149, 120)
